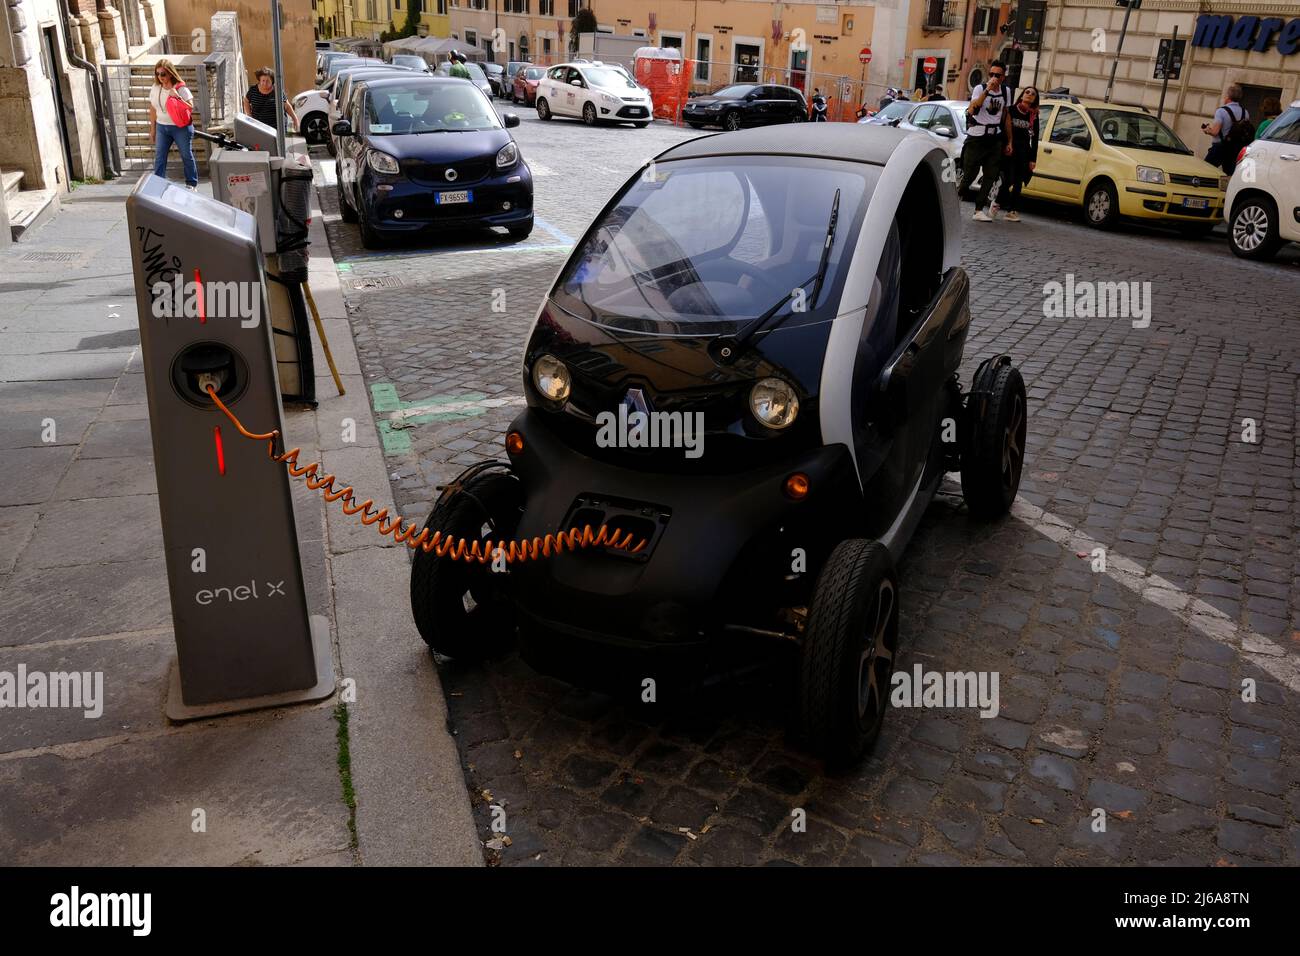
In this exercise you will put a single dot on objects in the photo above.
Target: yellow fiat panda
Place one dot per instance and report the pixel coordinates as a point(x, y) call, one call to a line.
point(1122, 162)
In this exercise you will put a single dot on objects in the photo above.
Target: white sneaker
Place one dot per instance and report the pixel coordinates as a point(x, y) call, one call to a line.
point(192, 188)
point(1013, 216)
point(981, 216)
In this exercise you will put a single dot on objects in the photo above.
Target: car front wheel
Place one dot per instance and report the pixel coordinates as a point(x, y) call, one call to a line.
point(1252, 230)
point(589, 113)
point(848, 653)
point(731, 121)
point(1101, 205)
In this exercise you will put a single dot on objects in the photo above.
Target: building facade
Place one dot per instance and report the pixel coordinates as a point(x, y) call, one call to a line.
point(1255, 43)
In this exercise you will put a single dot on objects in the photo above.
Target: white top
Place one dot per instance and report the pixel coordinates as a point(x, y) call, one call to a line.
point(158, 100)
point(988, 118)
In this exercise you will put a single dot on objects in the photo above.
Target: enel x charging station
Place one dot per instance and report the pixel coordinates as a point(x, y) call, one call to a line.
point(244, 638)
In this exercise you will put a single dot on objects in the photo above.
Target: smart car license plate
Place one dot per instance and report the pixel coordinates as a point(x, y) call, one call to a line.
point(1190, 203)
point(455, 196)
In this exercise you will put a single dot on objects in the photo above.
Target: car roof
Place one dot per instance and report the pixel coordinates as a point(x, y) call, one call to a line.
point(846, 142)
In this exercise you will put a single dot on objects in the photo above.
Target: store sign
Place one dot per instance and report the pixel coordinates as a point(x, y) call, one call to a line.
point(1247, 33)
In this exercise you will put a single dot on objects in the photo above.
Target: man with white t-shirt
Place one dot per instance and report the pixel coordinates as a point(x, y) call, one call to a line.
point(988, 136)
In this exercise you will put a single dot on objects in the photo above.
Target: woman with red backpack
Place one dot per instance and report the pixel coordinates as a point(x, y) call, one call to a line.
point(171, 120)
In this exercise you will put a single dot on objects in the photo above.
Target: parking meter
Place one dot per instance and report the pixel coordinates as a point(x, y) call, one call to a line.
point(244, 638)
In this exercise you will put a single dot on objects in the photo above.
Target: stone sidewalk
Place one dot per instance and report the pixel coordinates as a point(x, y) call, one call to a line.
point(83, 587)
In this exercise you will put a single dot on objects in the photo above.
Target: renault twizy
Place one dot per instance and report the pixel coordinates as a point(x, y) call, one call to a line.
point(746, 376)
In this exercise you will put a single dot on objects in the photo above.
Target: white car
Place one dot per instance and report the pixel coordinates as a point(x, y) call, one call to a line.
point(313, 111)
point(1264, 193)
point(594, 93)
point(944, 120)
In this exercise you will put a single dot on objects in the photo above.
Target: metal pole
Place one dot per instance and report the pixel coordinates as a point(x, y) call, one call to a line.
point(279, 77)
point(1164, 86)
point(1128, 10)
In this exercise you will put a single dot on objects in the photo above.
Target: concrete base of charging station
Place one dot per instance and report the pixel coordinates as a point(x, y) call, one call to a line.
point(178, 710)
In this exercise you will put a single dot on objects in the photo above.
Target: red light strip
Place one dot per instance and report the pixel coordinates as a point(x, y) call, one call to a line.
point(221, 451)
point(198, 282)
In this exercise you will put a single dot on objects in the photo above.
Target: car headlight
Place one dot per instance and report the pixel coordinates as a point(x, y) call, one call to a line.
point(508, 155)
point(1149, 174)
point(551, 377)
point(383, 163)
point(299, 100)
point(774, 402)
point(713, 106)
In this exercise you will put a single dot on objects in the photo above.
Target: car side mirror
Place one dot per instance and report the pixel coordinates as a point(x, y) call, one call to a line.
point(947, 132)
point(575, 82)
point(511, 120)
point(1082, 140)
point(342, 129)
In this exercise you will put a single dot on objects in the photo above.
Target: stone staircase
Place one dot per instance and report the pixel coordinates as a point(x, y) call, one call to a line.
point(137, 149)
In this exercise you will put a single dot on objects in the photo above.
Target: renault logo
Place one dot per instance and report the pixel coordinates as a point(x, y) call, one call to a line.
point(636, 401)
point(451, 175)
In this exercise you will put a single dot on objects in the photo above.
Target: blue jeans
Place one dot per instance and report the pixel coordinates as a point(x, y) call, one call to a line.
point(183, 137)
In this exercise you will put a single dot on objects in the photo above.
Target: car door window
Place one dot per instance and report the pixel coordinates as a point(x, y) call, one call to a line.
point(1045, 117)
point(575, 75)
point(923, 117)
point(1284, 129)
point(557, 73)
point(1069, 123)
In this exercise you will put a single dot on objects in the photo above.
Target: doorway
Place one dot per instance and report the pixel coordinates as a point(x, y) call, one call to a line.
point(799, 69)
point(50, 65)
point(1253, 97)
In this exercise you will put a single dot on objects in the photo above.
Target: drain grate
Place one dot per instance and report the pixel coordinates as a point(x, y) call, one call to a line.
point(376, 282)
point(51, 256)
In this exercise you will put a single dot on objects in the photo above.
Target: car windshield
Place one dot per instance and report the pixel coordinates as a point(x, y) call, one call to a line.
point(895, 110)
point(414, 61)
point(1137, 130)
point(737, 92)
point(607, 78)
point(708, 243)
point(433, 108)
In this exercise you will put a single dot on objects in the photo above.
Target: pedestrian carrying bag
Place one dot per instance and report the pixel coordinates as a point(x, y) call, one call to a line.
point(1242, 131)
point(181, 112)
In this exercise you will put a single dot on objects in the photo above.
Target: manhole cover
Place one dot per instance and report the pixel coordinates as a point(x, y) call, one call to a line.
point(51, 256)
point(376, 282)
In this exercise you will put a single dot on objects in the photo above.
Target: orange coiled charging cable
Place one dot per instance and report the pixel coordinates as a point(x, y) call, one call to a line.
point(458, 549)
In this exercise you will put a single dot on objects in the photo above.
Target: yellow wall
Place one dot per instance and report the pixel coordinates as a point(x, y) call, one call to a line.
point(297, 35)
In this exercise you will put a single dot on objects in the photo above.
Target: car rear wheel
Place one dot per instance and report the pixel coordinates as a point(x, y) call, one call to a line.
point(315, 128)
point(994, 456)
point(731, 121)
point(1101, 205)
point(589, 113)
point(543, 108)
point(1253, 228)
point(848, 651)
point(457, 606)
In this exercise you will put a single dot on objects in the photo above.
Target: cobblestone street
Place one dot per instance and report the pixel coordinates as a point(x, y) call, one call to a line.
point(1120, 689)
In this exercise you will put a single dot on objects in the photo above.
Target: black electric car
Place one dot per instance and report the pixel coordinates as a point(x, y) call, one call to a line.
point(782, 315)
point(746, 104)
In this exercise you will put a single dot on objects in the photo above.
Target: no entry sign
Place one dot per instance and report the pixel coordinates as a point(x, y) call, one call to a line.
point(864, 55)
point(929, 65)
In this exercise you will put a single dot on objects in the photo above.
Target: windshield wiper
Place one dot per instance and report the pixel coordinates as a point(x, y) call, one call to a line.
point(727, 349)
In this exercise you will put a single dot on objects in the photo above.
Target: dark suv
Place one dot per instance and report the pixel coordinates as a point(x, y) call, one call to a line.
point(746, 104)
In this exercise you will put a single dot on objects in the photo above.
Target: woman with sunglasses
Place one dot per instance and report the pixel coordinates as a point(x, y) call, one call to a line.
point(163, 128)
point(1018, 168)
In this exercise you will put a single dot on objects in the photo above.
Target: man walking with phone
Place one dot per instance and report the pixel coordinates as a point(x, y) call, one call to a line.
point(988, 136)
